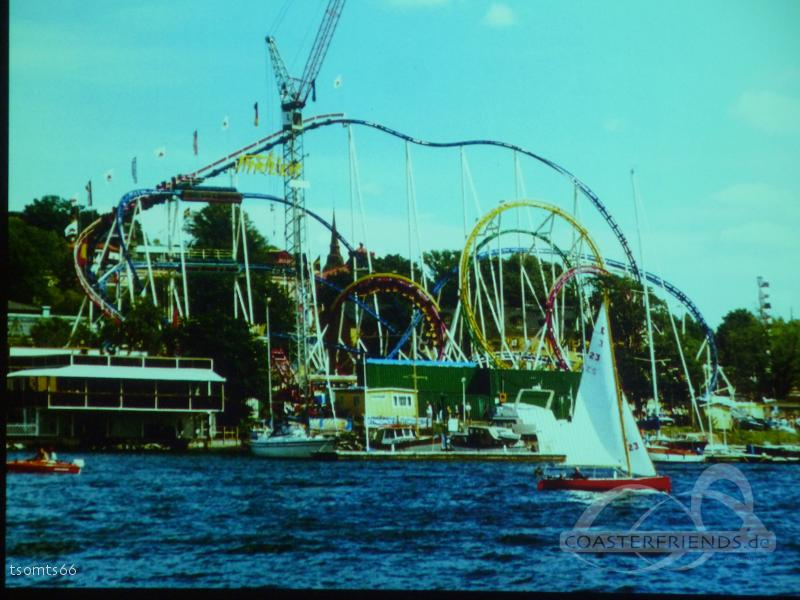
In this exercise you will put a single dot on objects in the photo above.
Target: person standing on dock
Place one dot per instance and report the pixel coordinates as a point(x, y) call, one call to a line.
point(429, 412)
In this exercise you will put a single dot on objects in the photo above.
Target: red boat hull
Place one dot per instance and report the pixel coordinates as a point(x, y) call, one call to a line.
point(660, 483)
point(42, 467)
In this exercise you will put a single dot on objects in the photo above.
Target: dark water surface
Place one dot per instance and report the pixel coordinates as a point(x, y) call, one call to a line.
point(163, 520)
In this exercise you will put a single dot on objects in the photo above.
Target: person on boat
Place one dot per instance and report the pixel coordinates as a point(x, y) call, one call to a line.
point(577, 474)
point(41, 455)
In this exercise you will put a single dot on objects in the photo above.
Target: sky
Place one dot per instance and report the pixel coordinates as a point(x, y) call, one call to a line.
point(701, 99)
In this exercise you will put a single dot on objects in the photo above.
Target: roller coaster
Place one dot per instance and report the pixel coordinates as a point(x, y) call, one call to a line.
point(508, 311)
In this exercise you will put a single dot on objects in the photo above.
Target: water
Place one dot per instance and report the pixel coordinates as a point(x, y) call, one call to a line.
point(164, 520)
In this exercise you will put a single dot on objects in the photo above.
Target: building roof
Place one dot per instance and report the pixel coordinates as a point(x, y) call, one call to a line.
point(419, 363)
point(117, 372)
point(19, 307)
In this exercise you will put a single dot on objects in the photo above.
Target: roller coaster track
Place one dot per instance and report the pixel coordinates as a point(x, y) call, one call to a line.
point(87, 241)
point(230, 162)
point(87, 278)
point(619, 266)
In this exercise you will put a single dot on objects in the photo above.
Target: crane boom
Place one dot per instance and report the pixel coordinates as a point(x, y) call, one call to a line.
point(294, 93)
point(320, 48)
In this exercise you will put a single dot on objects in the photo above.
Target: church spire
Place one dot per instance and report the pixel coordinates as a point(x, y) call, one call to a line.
point(334, 254)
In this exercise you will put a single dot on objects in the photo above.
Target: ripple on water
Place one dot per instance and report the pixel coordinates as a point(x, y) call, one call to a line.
point(211, 521)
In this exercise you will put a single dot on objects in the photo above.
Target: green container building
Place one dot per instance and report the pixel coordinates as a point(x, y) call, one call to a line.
point(440, 385)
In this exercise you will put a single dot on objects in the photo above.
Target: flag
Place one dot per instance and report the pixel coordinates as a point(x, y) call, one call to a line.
point(133, 170)
point(194, 142)
point(89, 192)
point(225, 122)
point(255, 108)
point(109, 175)
point(71, 229)
point(160, 152)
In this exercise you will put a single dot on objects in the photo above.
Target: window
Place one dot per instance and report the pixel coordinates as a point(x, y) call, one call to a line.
point(401, 400)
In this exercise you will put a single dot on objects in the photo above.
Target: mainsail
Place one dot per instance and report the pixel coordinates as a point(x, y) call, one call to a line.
point(595, 435)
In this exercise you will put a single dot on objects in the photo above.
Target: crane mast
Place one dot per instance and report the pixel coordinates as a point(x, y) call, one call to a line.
point(293, 95)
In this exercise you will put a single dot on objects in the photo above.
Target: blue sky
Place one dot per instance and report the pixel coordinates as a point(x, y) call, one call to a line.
point(701, 98)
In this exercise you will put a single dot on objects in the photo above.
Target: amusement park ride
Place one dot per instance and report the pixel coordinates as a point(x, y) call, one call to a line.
point(526, 276)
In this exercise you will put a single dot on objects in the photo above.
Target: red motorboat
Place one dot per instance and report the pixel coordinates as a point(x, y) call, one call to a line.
point(44, 466)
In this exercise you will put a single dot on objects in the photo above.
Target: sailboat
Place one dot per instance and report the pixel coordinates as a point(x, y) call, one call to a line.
point(289, 440)
point(602, 437)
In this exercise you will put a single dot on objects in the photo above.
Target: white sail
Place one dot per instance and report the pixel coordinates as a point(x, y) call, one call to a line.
point(597, 394)
point(595, 433)
point(641, 464)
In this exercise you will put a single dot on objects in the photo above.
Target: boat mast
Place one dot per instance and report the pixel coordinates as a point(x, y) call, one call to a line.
point(653, 376)
point(617, 388)
point(269, 368)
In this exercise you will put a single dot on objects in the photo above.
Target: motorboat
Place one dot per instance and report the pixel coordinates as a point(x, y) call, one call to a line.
point(524, 418)
point(733, 453)
point(44, 467)
point(394, 437)
point(782, 452)
point(288, 440)
point(485, 436)
point(665, 453)
point(664, 449)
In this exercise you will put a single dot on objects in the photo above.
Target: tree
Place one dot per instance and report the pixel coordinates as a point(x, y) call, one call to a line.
point(393, 263)
point(238, 356)
point(784, 338)
point(51, 333)
point(211, 228)
point(444, 265)
point(744, 351)
point(142, 329)
point(51, 213)
point(34, 257)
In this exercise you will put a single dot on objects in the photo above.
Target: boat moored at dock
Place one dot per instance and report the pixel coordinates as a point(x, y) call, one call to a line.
point(288, 441)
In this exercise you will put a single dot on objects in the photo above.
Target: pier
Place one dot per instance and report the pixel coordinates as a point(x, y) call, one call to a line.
point(443, 455)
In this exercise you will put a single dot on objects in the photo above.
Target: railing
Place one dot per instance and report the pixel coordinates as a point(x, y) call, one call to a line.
point(227, 434)
point(113, 400)
point(193, 253)
point(20, 429)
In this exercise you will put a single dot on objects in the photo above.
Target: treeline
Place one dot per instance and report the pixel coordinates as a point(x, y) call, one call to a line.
point(759, 359)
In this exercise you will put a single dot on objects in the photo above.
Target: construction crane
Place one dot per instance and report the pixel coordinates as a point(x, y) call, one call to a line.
point(293, 95)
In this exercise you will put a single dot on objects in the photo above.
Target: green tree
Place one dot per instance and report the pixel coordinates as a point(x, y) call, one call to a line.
point(37, 263)
point(784, 338)
point(51, 213)
point(211, 228)
point(444, 265)
point(743, 346)
point(238, 356)
point(393, 263)
point(142, 329)
point(50, 333)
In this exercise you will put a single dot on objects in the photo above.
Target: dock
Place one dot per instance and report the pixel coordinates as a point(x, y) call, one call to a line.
point(443, 455)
